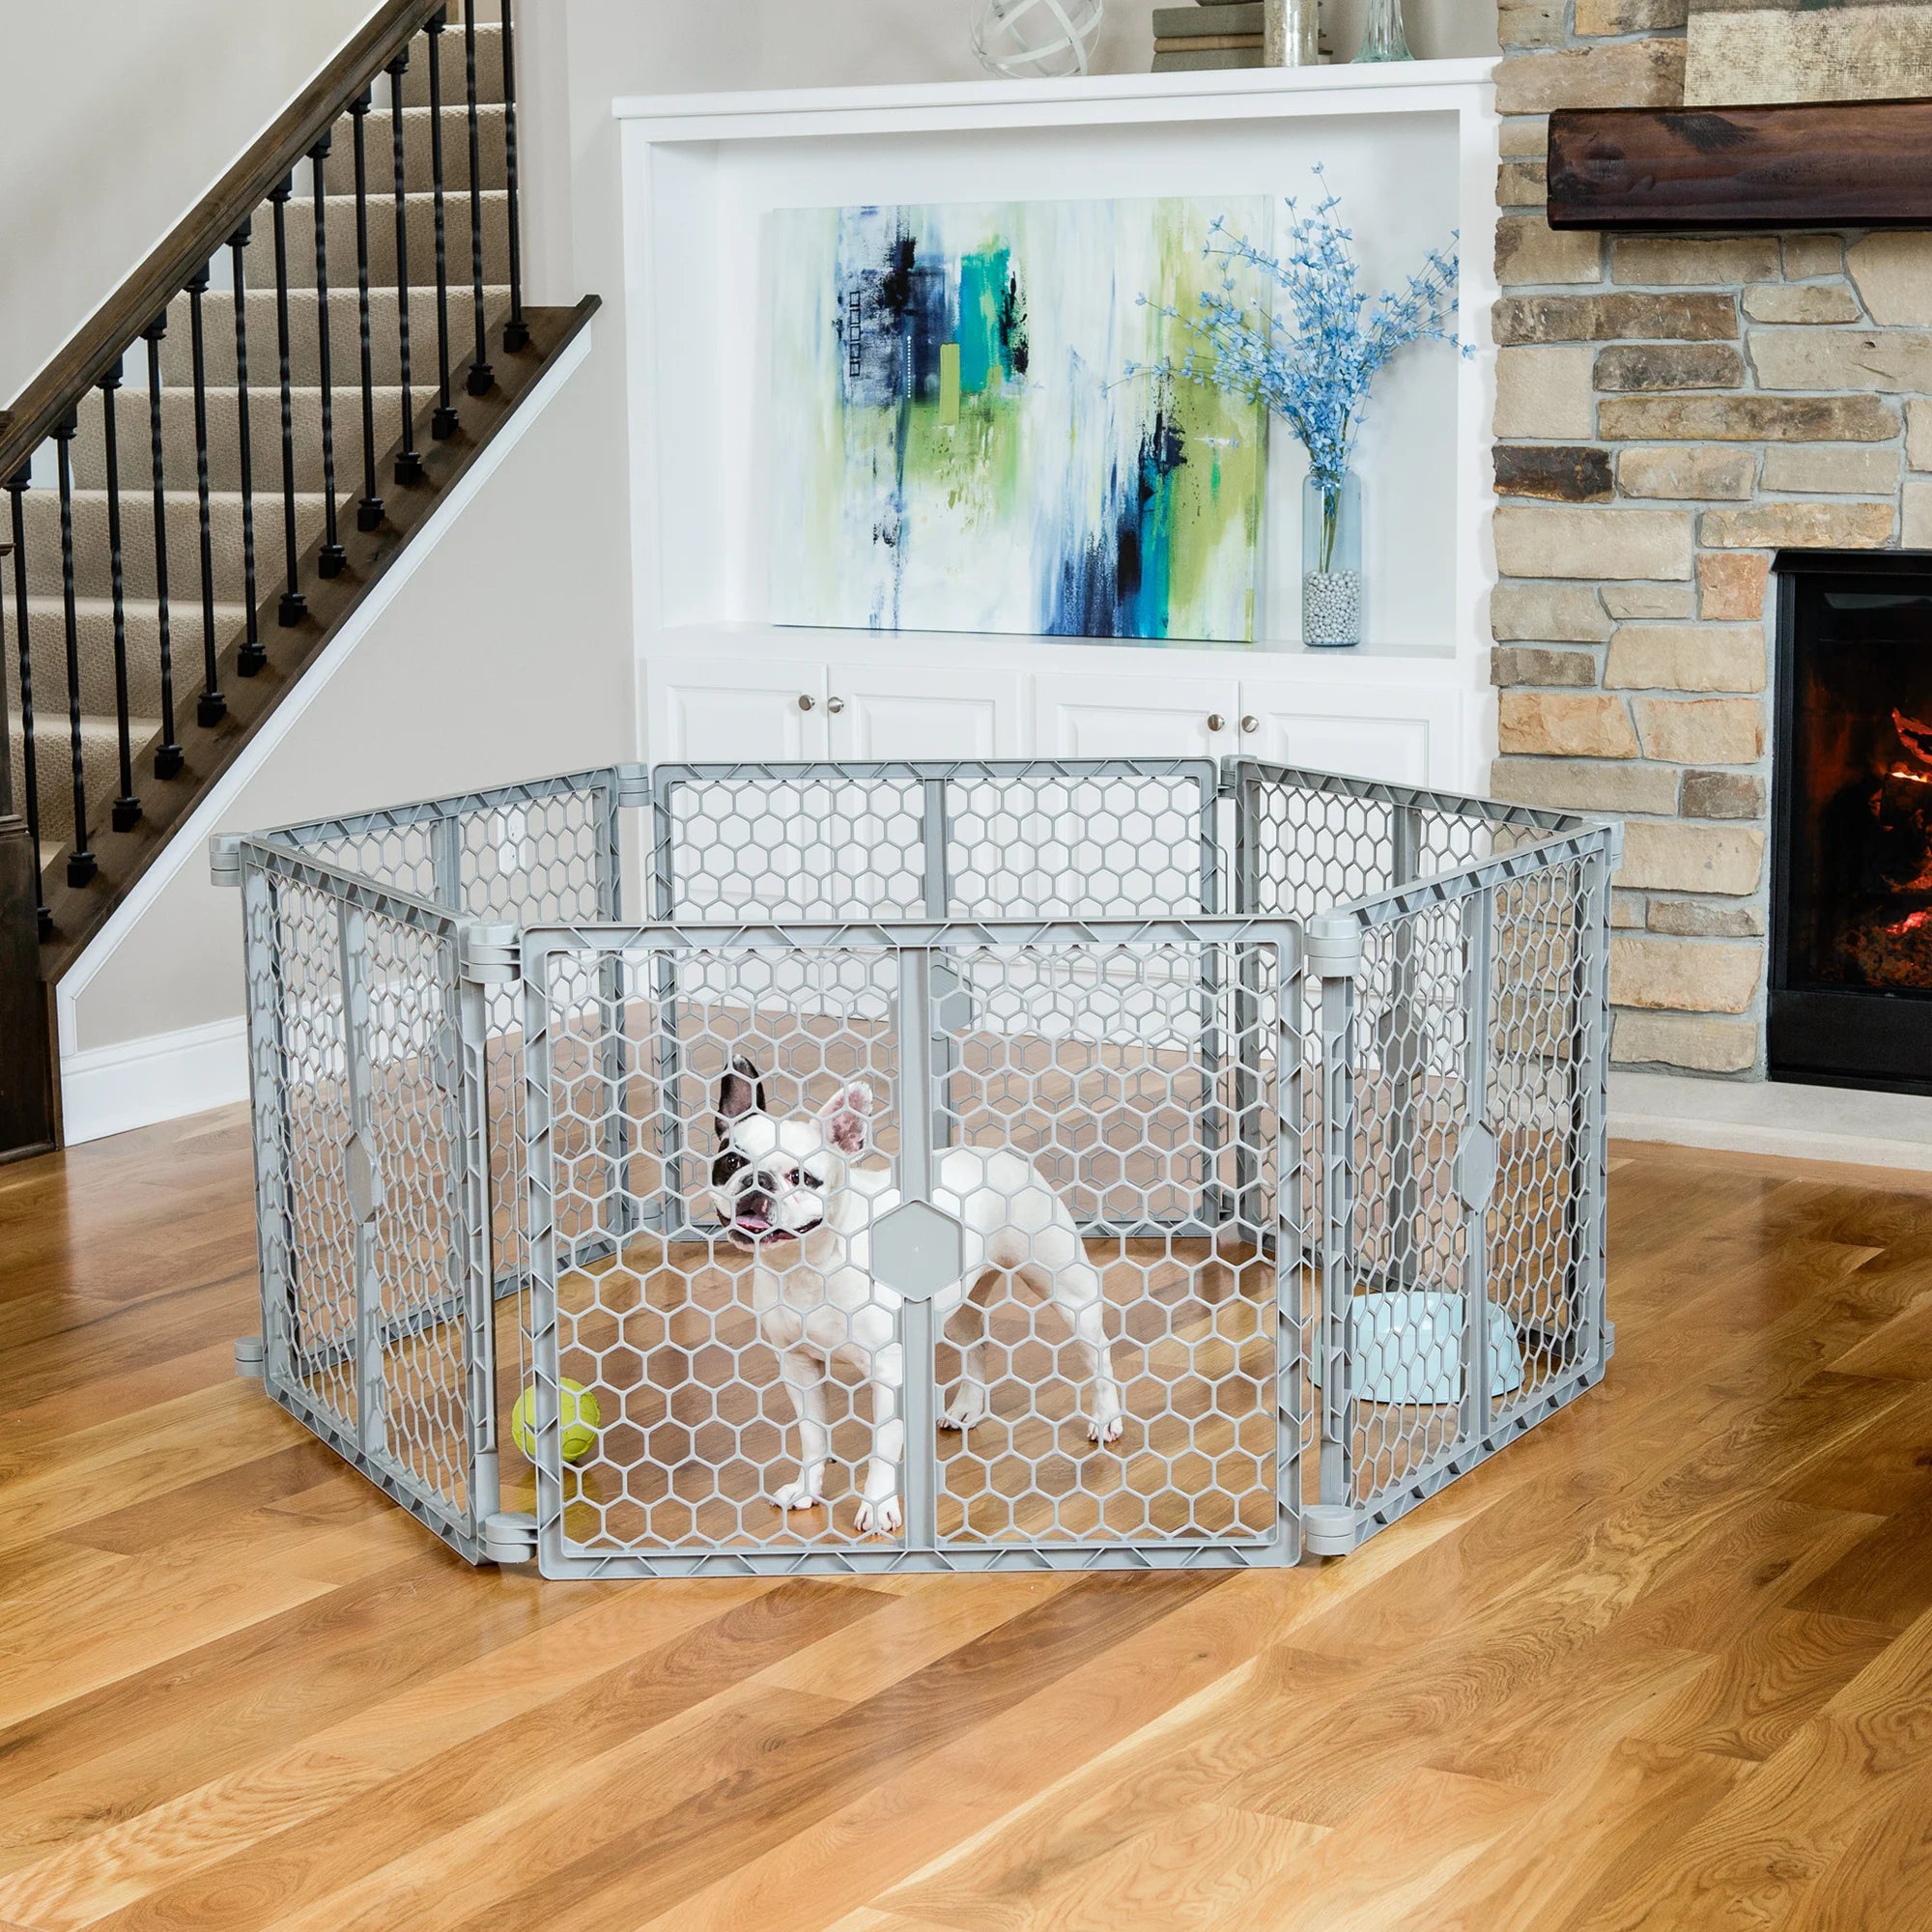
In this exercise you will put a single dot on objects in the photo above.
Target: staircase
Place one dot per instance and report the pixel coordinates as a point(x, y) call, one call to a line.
point(202, 486)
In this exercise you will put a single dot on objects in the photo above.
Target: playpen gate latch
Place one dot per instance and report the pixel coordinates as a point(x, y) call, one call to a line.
point(363, 1180)
point(1476, 1163)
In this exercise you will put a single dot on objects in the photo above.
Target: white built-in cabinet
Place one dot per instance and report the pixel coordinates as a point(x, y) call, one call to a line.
point(767, 698)
point(1411, 147)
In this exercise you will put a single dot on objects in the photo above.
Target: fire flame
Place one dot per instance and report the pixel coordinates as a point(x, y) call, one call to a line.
point(1915, 736)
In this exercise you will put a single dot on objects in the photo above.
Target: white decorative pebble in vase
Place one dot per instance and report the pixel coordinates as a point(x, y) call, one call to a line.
point(1331, 562)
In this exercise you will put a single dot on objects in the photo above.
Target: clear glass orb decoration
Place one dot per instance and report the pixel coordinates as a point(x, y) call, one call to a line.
point(1037, 39)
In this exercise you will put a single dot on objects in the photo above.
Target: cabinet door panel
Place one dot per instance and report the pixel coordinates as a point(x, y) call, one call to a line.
point(1370, 731)
point(723, 709)
point(884, 712)
point(1154, 717)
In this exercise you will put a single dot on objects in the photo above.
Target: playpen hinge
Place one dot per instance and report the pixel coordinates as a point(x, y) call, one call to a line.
point(634, 786)
point(224, 859)
point(1329, 1529)
point(509, 1536)
point(251, 1356)
point(491, 955)
point(1331, 946)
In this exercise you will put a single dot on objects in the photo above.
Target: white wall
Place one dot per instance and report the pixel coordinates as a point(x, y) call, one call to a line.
point(506, 655)
point(579, 55)
point(118, 116)
point(510, 652)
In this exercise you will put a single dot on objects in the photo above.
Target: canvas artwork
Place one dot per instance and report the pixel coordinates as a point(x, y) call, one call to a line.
point(957, 442)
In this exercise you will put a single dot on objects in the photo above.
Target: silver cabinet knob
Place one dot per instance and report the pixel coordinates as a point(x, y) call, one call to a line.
point(1250, 723)
point(1215, 721)
point(806, 700)
point(835, 704)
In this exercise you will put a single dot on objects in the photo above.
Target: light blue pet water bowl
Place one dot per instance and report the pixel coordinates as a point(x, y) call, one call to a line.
point(1409, 1349)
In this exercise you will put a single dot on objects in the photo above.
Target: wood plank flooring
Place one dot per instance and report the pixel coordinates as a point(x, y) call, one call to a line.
point(1666, 1663)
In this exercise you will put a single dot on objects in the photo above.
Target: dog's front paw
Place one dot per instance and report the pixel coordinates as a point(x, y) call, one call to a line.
point(798, 1497)
point(881, 1517)
point(967, 1406)
point(1106, 1428)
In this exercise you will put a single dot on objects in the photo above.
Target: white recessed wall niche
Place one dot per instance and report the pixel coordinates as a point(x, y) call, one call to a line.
point(1411, 151)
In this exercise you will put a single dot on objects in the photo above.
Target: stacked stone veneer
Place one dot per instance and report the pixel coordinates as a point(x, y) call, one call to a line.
point(1670, 410)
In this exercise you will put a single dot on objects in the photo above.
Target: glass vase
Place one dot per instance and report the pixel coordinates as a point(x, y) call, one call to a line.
point(1383, 37)
point(1331, 562)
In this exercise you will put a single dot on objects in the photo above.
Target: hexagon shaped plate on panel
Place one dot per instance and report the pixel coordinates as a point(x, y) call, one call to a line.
point(918, 1249)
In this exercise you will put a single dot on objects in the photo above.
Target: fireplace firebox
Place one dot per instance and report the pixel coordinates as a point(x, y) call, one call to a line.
point(1851, 904)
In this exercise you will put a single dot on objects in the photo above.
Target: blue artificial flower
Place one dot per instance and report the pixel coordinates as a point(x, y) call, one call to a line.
point(1315, 364)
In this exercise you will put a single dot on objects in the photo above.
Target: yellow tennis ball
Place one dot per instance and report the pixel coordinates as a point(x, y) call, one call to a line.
point(578, 1411)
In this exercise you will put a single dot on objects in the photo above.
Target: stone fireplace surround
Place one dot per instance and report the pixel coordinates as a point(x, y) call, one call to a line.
point(1671, 410)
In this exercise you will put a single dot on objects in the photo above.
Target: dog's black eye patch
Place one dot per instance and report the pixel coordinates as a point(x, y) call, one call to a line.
point(811, 1181)
point(725, 1165)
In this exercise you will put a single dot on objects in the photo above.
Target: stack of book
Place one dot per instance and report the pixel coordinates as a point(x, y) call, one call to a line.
point(1207, 34)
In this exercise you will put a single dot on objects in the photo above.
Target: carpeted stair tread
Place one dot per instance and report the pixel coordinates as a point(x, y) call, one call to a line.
point(94, 631)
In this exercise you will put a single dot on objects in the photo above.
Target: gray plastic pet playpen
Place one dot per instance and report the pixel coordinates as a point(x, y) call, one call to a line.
point(1317, 1066)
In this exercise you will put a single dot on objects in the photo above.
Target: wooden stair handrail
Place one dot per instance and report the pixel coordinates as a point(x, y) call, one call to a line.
point(107, 334)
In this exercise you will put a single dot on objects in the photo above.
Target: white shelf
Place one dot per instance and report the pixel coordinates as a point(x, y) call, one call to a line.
point(1095, 656)
point(782, 113)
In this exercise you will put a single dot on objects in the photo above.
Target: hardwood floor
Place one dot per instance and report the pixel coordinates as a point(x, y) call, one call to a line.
point(1665, 1664)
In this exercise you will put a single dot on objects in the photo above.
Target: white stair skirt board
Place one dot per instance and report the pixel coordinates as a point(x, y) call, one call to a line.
point(138, 1083)
point(112, 1090)
point(1843, 1123)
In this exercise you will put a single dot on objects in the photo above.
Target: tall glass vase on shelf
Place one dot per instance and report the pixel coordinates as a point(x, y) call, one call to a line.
point(1331, 562)
point(1383, 36)
point(1291, 34)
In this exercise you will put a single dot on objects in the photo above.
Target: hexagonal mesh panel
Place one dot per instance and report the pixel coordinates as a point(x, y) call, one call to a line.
point(1105, 1372)
point(1216, 1206)
point(998, 840)
point(372, 1325)
point(1462, 1163)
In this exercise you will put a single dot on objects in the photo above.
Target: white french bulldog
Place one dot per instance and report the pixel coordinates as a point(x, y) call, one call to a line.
point(791, 1192)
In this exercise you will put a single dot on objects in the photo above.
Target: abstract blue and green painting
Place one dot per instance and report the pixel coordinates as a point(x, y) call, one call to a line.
point(957, 443)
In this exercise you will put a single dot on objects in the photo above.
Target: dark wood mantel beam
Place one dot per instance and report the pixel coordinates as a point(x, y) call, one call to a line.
point(1830, 164)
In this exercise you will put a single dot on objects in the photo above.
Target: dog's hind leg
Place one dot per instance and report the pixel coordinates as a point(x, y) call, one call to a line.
point(879, 1513)
point(1074, 1287)
point(969, 1404)
point(804, 1376)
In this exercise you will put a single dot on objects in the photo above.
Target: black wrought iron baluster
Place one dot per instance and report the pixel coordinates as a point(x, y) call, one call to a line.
point(167, 755)
point(251, 657)
point(369, 511)
point(331, 557)
point(81, 865)
point(442, 424)
point(408, 464)
point(516, 332)
point(127, 807)
point(30, 783)
point(294, 606)
point(211, 707)
point(482, 379)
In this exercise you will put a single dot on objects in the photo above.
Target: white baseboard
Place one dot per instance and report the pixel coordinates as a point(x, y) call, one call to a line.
point(1840, 1123)
point(111, 1090)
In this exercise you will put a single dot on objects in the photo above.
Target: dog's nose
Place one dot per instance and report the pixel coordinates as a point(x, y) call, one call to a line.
point(754, 1206)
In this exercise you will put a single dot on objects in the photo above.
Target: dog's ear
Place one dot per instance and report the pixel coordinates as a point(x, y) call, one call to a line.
point(847, 1118)
point(742, 1091)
